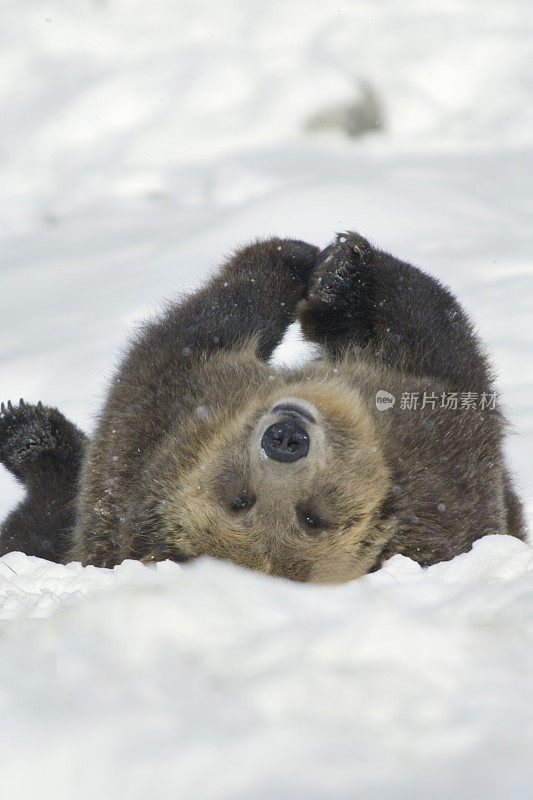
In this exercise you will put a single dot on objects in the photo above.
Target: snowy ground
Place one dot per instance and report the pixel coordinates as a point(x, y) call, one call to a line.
point(140, 144)
point(214, 682)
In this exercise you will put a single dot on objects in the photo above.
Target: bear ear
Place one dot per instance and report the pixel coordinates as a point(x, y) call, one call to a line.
point(382, 536)
point(388, 509)
point(376, 542)
point(150, 542)
point(167, 553)
point(150, 548)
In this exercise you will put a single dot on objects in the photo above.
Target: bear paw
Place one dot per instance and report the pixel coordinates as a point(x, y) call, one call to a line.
point(28, 432)
point(340, 290)
point(343, 270)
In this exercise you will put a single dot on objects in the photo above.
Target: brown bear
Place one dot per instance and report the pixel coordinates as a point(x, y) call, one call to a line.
point(391, 442)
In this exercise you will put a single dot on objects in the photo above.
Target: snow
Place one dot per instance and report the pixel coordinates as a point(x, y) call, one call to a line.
point(212, 681)
point(141, 143)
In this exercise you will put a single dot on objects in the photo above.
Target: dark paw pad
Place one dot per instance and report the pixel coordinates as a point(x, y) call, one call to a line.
point(28, 432)
point(341, 275)
point(339, 303)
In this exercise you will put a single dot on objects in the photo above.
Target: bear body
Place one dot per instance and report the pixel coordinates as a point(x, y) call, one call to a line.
point(203, 448)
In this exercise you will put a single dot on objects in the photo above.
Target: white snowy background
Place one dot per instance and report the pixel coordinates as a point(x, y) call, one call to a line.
point(140, 142)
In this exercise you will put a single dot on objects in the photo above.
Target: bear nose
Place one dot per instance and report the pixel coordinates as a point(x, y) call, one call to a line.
point(286, 440)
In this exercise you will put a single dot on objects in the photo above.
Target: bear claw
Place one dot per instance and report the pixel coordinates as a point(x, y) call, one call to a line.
point(26, 433)
point(340, 271)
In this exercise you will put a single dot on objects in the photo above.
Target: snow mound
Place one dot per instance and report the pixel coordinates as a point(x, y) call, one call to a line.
point(209, 681)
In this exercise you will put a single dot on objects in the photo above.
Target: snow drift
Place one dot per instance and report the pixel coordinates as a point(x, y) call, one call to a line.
point(212, 682)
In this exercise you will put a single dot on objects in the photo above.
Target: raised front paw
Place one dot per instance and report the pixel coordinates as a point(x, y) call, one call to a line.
point(340, 291)
point(28, 432)
point(342, 272)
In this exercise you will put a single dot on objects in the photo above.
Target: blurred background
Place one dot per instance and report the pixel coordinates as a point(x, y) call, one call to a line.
point(141, 142)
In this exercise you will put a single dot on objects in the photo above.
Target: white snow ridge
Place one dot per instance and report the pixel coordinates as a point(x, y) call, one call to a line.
point(141, 143)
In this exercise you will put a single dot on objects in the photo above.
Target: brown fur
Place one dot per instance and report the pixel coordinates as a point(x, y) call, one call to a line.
point(180, 435)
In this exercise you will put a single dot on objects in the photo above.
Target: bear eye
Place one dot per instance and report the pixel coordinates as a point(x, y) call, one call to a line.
point(242, 501)
point(311, 520)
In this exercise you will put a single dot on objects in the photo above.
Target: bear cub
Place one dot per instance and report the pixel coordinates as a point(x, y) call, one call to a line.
point(391, 442)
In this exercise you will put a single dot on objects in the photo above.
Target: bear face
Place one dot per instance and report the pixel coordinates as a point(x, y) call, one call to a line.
point(308, 512)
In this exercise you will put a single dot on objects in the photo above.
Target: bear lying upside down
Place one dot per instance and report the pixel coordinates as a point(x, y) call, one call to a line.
point(203, 448)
